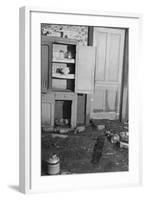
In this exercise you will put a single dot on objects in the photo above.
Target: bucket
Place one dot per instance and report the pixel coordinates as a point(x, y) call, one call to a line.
point(53, 164)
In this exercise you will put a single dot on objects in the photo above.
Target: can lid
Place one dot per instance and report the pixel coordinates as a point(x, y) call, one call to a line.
point(53, 159)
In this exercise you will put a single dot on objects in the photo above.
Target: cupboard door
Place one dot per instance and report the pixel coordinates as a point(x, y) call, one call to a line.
point(47, 110)
point(105, 102)
point(44, 68)
point(85, 65)
point(81, 105)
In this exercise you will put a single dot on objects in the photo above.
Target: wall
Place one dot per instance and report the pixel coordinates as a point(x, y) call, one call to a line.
point(79, 33)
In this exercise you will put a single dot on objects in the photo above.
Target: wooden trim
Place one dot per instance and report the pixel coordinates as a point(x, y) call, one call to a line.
point(88, 108)
point(112, 30)
point(52, 39)
point(105, 115)
point(88, 96)
point(74, 112)
point(125, 76)
point(50, 56)
point(90, 35)
point(44, 83)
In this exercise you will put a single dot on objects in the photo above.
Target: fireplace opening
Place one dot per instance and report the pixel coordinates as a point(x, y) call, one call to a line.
point(62, 115)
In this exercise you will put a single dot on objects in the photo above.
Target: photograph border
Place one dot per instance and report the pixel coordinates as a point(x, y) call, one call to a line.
point(27, 181)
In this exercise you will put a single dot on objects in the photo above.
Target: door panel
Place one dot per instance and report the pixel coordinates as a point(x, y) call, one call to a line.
point(47, 109)
point(105, 102)
point(111, 98)
point(97, 100)
point(81, 108)
point(113, 55)
point(85, 65)
point(46, 113)
point(100, 39)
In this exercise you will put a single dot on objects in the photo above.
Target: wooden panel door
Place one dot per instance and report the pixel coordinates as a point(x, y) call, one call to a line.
point(105, 102)
point(85, 65)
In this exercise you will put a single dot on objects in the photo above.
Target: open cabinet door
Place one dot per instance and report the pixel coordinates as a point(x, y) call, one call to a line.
point(85, 64)
point(44, 68)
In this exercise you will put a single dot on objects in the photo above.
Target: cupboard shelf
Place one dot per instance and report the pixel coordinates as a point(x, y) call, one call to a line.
point(59, 57)
point(63, 60)
point(62, 76)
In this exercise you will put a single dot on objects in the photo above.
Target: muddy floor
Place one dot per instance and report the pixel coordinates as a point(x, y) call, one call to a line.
point(89, 151)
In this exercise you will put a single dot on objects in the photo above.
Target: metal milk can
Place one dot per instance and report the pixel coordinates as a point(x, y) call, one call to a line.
point(53, 163)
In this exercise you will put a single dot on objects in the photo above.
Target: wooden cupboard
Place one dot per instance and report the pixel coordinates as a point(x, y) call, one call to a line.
point(48, 107)
point(81, 65)
point(66, 71)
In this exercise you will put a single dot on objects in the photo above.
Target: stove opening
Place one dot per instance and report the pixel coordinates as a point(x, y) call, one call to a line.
point(62, 114)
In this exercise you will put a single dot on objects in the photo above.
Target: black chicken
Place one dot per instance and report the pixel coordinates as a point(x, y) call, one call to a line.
point(98, 149)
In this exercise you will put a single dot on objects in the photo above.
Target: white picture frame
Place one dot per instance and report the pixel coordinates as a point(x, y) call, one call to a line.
point(30, 177)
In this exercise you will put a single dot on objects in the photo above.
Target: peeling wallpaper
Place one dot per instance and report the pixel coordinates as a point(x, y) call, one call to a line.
point(79, 33)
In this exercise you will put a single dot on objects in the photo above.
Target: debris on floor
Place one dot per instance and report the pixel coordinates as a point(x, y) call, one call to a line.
point(97, 125)
point(61, 122)
point(79, 129)
point(91, 151)
point(115, 138)
point(54, 135)
point(126, 125)
point(100, 127)
point(64, 130)
point(48, 129)
point(124, 136)
point(124, 145)
point(120, 137)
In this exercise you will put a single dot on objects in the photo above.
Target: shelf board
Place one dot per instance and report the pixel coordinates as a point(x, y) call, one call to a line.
point(64, 60)
point(63, 90)
point(63, 76)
